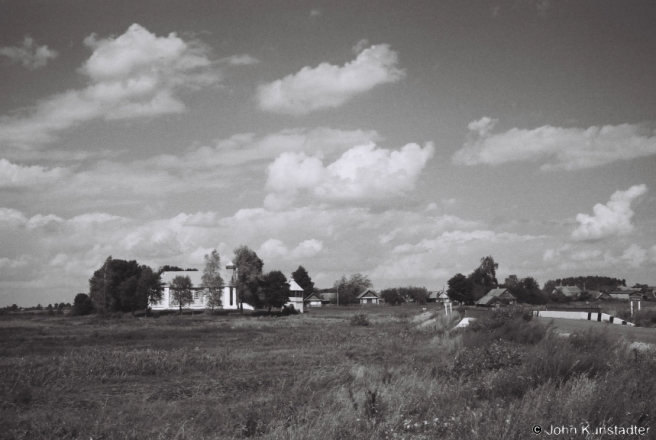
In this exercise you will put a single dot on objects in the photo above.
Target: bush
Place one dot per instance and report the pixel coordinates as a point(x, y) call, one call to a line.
point(289, 310)
point(645, 318)
point(360, 319)
point(498, 355)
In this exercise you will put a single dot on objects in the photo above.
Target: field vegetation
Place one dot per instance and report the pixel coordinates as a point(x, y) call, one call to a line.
point(377, 373)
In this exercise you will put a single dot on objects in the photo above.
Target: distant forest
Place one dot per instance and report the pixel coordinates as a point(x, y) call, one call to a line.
point(587, 283)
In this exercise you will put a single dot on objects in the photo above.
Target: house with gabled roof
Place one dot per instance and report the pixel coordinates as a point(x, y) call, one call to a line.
point(569, 291)
point(497, 298)
point(369, 297)
point(313, 300)
point(438, 297)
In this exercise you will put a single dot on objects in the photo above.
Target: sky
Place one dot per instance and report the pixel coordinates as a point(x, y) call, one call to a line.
point(404, 140)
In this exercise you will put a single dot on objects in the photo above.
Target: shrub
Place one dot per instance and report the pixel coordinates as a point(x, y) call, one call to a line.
point(289, 310)
point(496, 356)
point(360, 319)
point(645, 318)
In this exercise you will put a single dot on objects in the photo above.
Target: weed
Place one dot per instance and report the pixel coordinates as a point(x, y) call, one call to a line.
point(360, 319)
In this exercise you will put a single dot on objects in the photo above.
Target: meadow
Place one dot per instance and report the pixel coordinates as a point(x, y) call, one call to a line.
point(377, 373)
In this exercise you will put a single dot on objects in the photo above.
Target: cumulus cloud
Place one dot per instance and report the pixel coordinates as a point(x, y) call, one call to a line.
point(363, 172)
point(438, 258)
point(29, 54)
point(450, 238)
point(14, 176)
point(566, 148)
point(276, 249)
point(611, 219)
point(247, 147)
point(330, 86)
point(134, 75)
point(240, 60)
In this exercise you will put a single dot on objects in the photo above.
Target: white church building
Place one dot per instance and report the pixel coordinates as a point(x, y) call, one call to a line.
point(229, 299)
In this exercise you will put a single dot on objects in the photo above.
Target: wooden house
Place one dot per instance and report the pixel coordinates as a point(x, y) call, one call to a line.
point(369, 297)
point(313, 300)
point(497, 298)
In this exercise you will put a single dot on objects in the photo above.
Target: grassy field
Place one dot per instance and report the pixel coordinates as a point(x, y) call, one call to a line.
point(313, 376)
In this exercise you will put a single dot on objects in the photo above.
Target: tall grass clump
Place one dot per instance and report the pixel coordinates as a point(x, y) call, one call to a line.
point(360, 319)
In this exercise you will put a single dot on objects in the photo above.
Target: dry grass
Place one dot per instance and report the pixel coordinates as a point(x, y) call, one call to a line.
point(312, 376)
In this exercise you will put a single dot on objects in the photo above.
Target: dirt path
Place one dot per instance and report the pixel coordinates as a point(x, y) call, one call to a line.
point(639, 334)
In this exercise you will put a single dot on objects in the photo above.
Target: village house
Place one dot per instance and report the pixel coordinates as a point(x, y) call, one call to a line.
point(369, 297)
point(569, 291)
point(497, 298)
point(313, 300)
point(438, 297)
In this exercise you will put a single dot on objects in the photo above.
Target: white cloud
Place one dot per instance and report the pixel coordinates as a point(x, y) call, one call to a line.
point(13, 175)
point(634, 255)
point(136, 74)
point(613, 218)
point(241, 60)
point(11, 218)
point(568, 148)
point(247, 147)
point(29, 54)
point(363, 172)
point(275, 249)
point(330, 86)
point(455, 238)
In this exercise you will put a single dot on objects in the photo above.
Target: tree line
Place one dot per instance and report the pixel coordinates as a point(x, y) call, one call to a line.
point(127, 286)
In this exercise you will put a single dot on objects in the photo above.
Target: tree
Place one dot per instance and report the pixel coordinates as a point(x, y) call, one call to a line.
point(249, 268)
point(526, 290)
point(392, 296)
point(124, 286)
point(303, 279)
point(98, 287)
point(461, 289)
point(416, 294)
point(82, 304)
point(149, 288)
point(181, 292)
point(484, 277)
point(167, 268)
point(511, 281)
point(348, 289)
point(274, 289)
point(212, 281)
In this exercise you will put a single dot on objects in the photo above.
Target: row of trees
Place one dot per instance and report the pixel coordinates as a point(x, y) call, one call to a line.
point(399, 295)
point(469, 289)
point(127, 286)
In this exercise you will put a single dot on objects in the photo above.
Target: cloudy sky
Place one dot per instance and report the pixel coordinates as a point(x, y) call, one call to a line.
point(401, 139)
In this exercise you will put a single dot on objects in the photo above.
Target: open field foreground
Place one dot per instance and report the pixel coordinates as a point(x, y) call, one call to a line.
point(316, 376)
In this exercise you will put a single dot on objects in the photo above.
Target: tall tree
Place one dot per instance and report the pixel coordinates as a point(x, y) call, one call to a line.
point(212, 281)
point(274, 289)
point(484, 277)
point(98, 287)
point(525, 290)
point(392, 296)
point(82, 304)
point(181, 291)
point(249, 268)
point(461, 289)
point(303, 279)
point(149, 288)
point(348, 289)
